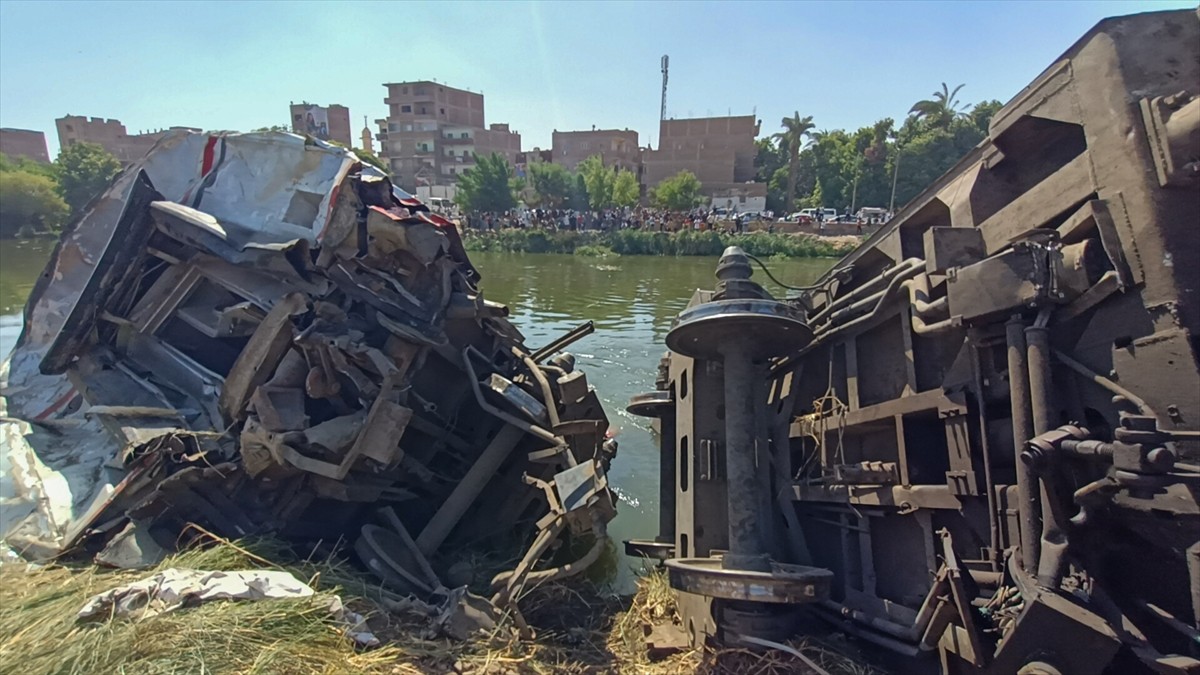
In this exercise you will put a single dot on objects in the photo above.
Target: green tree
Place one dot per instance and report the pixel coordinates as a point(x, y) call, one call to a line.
point(795, 128)
point(679, 192)
point(29, 203)
point(551, 184)
point(625, 189)
point(599, 180)
point(579, 194)
point(488, 186)
point(84, 171)
point(29, 166)
point(940, 110)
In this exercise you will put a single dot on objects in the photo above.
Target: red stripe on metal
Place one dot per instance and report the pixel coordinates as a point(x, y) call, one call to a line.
point(62, 400)
point(209, 152)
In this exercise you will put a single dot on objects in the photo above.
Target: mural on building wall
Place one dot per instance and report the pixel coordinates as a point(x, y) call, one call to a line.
point(314, 121)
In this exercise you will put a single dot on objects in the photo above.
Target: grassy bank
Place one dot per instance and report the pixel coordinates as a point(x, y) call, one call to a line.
point(639, 242)
point(579, 628)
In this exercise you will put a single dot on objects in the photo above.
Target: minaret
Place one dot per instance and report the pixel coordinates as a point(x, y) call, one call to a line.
point(366, 136)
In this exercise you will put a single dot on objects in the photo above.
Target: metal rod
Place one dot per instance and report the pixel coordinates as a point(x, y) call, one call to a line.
point(985, 447)
point(745, 533)
point(565, 340)
point(1104, 382)
point(1029, 507)
point(870, 283)
point(468, 489)
point(496, 412)
point(544, 384)
point(1054, 536)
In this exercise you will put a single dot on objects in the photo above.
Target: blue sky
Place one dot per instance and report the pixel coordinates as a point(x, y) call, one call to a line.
point(541, 66)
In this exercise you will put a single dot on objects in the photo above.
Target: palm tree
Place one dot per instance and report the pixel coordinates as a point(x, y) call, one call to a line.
point(795, 128)
point(940, 110)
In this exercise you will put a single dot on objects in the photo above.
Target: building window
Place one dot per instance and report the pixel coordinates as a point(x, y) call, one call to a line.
point(406, 108)
point(443, 111)
point(421, 110)
point(403, 90)
point(392, 126)
point(419, 91)
point(70, 128)
point(464, 135)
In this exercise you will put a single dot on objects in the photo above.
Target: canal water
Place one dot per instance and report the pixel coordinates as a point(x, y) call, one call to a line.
point(631, 299)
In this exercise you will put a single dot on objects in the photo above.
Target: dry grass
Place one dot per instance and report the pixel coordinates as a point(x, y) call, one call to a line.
point(580, 629)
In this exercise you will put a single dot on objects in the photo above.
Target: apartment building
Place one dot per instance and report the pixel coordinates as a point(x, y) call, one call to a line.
point(328, 123)
point(719, 150)
point(616, 147)
point(109, 134)
point(433, 132)
point(24, 143)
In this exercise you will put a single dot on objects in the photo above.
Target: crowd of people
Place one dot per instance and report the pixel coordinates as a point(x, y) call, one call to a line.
point(655, 220)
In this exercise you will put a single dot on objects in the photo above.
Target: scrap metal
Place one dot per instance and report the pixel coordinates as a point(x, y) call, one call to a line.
point(258, 334)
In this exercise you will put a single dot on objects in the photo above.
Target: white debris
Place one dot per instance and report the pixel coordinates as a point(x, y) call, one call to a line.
point(174, 588)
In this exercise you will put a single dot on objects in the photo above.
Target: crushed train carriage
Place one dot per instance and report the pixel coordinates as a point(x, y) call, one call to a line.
point(977, 436)
point(255, 333)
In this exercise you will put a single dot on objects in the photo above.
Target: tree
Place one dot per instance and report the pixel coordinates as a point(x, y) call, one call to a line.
point(551, 184)
point(795, 128)
point(599, 181)
point(84, 171)
point(679, 192)
point(625, 190)
point(579, 194)
point(488, 186)
point(29, 166)
point(29, 202)
point(940, 110)
point(367, 157)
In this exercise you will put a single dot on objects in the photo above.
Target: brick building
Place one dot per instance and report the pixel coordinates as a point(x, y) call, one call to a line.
point(109, 134)
point(617, 147)
point(433, 131)
point(719, 150)
point(24, 143)
point(328, 123)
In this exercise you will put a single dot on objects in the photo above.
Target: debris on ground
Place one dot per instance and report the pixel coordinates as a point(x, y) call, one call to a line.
point(256, 334)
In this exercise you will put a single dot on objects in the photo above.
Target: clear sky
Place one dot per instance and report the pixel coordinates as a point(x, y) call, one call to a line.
point(541, 66)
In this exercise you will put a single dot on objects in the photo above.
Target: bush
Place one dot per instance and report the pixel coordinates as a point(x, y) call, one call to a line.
point(644, 242)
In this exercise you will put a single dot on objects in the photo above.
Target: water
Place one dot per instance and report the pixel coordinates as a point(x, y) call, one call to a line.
point(632, 300)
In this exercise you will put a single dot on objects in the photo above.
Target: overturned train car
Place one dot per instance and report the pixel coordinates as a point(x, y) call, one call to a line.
point(256, 334)
point(974, 442)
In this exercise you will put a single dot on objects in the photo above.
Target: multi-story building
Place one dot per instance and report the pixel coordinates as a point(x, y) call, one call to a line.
point(328, 123)
point(616, 147)
point(109, 134)
point(433, 132)
point(25, 143)
point(719, 150)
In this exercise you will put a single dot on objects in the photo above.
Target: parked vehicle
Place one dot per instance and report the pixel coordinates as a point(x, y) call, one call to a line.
point(871, 214)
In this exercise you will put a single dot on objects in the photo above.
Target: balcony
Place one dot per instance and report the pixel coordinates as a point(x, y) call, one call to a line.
point(469, 140)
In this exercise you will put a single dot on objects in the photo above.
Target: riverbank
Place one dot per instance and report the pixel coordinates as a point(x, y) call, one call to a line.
point(643, 242)
point(580, 629)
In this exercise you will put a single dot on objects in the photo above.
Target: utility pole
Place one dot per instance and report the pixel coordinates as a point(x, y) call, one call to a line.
point(662, 115)
point(895, 174)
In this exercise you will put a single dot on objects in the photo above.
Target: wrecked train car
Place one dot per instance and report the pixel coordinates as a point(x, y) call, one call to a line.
point(255, 333)
point(975, 441)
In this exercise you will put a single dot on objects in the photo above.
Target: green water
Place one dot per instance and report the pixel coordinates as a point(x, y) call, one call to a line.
point(631, 299)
